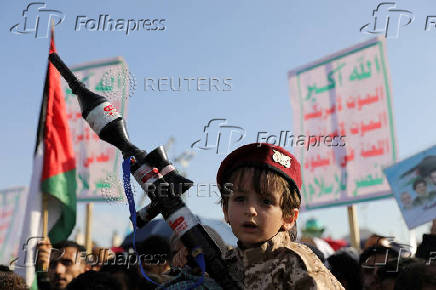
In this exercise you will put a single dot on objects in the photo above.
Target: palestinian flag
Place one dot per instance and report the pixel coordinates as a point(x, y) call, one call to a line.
point(54, 175)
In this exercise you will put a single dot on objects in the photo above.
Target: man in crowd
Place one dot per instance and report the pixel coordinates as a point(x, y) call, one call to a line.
point(66, 261)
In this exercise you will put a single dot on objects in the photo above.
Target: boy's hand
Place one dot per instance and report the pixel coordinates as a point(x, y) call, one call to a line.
point(179, 259)
point(433, 228)
point(43, 259)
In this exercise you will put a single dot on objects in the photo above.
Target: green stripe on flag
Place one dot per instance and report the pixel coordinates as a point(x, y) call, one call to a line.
point(34, 284)
point(63, 187)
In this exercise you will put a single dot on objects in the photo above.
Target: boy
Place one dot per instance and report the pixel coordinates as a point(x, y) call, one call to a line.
point(262, 206)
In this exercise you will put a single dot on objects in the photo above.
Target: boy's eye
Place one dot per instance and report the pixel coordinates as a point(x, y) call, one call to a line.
point(267, 202)
point(239, 198)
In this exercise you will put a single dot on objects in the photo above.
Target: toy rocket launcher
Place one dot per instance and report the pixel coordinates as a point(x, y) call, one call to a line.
point(159, 179)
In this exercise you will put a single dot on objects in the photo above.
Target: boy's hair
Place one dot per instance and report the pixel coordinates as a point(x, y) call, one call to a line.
point(264, 182)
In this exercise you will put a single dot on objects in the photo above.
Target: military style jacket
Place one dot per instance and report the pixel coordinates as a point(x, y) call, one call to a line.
point(279, 264)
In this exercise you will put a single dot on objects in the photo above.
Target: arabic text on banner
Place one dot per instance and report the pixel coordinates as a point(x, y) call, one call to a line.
point(413, 183)
point(345, 94)
point(98, 163)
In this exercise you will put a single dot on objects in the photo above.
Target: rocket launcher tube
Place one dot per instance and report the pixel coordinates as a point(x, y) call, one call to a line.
point(160, 180)
point(100, 114)
point(87, 99)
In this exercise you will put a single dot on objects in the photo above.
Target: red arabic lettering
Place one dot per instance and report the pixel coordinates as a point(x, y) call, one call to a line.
point(354, 129)
point(330, 111)
point(370, 126)
point(339, 102)
point(315, 114)
point(351, 104)
point(342, 126)
point(347, 158)
point(373, 151)
point(319, 162)
point(368, 100)
point(6, 214)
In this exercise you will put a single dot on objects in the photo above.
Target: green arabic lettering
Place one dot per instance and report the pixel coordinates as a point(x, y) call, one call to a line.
point(328, 190)
point(368, 181)
point(84, 181)
point(331, 83)
point(311, 191)
point(377, 65)
point(356, 75)
point(104, 88)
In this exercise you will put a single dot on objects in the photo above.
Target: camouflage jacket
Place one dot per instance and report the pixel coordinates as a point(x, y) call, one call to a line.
point(279, 264)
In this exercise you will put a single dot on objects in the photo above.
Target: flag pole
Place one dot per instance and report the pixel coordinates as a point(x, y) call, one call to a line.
point(45, 224)
point(88, 224)
point(45, 197)
point(45, 216)
point(354, 227)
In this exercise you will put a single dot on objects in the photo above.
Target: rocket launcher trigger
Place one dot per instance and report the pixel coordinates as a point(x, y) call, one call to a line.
point(159, 179)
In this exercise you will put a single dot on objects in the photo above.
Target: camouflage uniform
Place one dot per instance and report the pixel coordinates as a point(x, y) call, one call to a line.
point(279, 264)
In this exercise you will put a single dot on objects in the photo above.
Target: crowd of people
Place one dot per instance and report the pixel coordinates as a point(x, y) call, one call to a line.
point(262, 208)
point(382, 264)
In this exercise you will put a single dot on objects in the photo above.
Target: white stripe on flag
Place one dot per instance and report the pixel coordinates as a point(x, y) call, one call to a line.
point(32, 226)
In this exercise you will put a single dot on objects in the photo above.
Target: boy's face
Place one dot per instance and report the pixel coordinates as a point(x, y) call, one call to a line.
point(255, 218)
point(421, 189)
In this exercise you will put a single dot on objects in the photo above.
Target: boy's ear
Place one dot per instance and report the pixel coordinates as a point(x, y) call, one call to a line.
point(289, 221)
